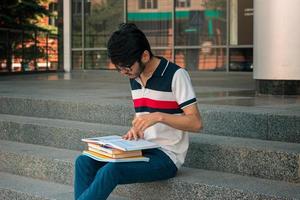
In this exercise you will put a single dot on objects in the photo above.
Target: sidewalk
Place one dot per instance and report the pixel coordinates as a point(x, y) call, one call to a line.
point(212, 88)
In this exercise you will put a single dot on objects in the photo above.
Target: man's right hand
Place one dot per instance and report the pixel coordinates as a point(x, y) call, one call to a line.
point(133, 134)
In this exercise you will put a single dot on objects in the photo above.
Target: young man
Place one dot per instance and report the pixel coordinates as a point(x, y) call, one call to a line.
point(165, 105)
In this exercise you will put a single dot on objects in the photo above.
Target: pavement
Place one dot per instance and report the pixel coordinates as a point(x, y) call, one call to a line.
point(213, 88)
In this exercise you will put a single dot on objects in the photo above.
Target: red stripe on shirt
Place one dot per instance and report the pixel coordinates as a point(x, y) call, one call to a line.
point(145, 102)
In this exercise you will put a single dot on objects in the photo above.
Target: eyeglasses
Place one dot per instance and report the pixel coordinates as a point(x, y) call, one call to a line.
point(126, 67)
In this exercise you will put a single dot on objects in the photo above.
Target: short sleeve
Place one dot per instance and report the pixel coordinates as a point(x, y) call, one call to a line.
point(182, 88)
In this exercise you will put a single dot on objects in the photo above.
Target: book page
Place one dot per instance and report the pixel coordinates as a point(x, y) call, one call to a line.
point(133, 144)
point(119, 143)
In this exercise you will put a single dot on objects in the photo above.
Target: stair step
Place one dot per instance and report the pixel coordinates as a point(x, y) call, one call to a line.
point(53, 132)
point(52, 164)
point(25, 188)
point(260, 123)
point(260, 158)
point(251, 157)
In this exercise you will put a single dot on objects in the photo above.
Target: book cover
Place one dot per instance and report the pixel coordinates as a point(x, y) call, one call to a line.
point(103, 158)
point(125, 154)
point(105, 148)
point(117, 142)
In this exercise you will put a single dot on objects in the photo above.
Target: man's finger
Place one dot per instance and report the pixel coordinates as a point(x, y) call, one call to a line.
point(130, 135)
point(141, 134)
point(135, 135)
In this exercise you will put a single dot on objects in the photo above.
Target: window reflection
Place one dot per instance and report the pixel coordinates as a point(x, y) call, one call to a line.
point(101, 18)
point(76, 60)
point(183, 3)
point(200, 31)
point(241, 22)
point(202, 22)
point(210, 59)
point(241, 59)
point(76, 24)
point(155, 23)
point(97, 60)
point(166, 53)
point(148, 4)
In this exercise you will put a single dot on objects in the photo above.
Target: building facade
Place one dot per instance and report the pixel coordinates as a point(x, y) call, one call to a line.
point(208, 35)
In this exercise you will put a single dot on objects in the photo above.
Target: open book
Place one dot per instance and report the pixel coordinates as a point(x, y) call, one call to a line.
point(115, 141)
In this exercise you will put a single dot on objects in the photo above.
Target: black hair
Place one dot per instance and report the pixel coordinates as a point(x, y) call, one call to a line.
point(127, 45)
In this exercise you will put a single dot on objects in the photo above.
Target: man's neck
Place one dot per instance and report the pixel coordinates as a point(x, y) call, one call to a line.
point(151, 66)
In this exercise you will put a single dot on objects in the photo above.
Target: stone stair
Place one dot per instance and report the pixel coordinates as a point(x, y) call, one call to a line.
point(54, 166)
point(240, 154)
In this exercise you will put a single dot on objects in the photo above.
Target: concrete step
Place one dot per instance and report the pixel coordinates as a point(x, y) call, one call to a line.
point(25, 188)
point(56, 165)
point(53, 132)
point(251, 157)
point(259, 158)
point(259, 123)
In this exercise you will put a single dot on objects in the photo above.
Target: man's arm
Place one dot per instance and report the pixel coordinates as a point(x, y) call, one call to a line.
point(189, 121)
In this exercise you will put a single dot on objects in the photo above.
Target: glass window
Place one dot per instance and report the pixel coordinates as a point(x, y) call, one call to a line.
point(42, 51)
point(97, 60)
point(204, 21)
point(60, 37)
point(29, 51)
point(76, 60)
point(76, 24)
point(52, 50)
point(241, 22)
point(53, 10)
point(4, 50)
point(101, 19)
point(157, 25)
point(209, 59)
point(166, 53)
point(18, 52)
point(148, 4)
point(241, 59)
point(183, 3)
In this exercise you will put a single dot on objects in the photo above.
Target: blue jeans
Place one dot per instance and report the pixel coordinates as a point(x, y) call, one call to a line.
point(96, 180)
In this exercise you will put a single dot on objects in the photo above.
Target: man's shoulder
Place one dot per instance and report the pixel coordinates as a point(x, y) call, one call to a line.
point(171, 69)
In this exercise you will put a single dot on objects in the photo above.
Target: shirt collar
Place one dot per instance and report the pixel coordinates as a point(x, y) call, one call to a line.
point(161, 68)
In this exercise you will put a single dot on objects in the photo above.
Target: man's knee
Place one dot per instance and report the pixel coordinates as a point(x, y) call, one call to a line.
point(110, 170)
point(81, 161)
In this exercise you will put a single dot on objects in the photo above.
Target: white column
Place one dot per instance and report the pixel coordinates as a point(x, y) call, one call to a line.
point(277, 39)
point(67, 35)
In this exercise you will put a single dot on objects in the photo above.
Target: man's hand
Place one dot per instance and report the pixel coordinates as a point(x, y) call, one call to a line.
point(133, 134)
point(142, 122)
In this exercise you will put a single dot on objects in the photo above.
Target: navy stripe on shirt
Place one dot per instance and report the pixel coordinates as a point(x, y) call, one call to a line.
point(151, 110)
point(187, 102)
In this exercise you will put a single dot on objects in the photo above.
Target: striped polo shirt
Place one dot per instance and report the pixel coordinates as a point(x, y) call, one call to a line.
point(169, 90)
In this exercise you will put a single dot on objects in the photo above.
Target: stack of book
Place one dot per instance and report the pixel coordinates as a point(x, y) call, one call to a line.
point(115, 149)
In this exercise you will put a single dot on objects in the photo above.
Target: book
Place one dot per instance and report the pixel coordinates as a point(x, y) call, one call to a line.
point(105, 148)
point(117, 142)
point(125, 154)
point(102, 158)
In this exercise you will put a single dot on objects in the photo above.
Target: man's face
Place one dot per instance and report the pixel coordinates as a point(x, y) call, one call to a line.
point(133, 71)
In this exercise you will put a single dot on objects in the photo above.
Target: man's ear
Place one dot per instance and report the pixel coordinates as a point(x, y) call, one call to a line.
point(145, 56)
